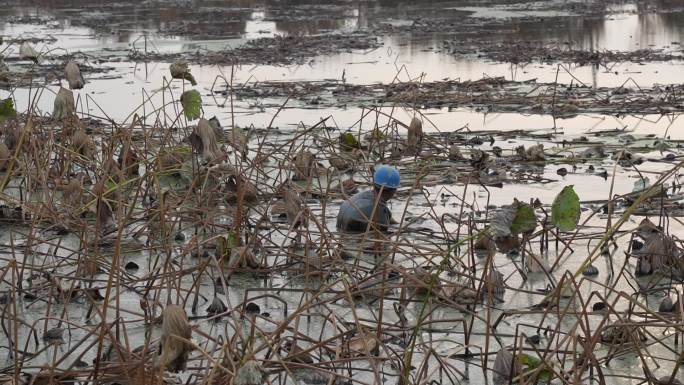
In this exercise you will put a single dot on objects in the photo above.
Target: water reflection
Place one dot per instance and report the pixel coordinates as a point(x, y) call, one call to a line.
point(622, 32)
point(403, 57)
point(635, 26)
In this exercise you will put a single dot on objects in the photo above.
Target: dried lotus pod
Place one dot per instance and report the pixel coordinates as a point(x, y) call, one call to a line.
point(180, 70)
point(28, 52)
point(295, 209)
point(65, 105)
point(415, 135)
point(250, 373)
point(203, 140)
point(455, 152)
point(83, 144)
point(305, 165)
point(175, 334)
point(339, 162)
point(505, 366)
point(217, 307)
point(73, 75)
point(243, 257)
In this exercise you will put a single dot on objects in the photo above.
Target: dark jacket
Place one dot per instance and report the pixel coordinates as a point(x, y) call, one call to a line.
point(355, 211)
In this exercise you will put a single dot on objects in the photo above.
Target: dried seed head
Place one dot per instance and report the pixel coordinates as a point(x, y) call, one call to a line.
point(243, 257)
point(73, 75)
point(339, 162)
point(647, 229)
point(618, 334)
point(28, 52)
point(239, 141)
point(175, 332)
point(415, 135)
point(295, 208)
point(251, 373)
point(504, 367)
point(660, 252)
point(12, 135)
point(180, 70)
point(89, 266)
point(348, 187)
point(495, 284)
point(217, 307)
point(204, 140)
point(112, 170)
point(485, 246)
point(72, 191)
point(64, 104)
point(171, 159)
point(532, 154)
point(4, 71)
point(128, 161)
point(104, 214)
point(362, 344)
point(54, 334)
point(459, 293)
point(304, 165)
point(248, 190)
point(83, 144)
point(536, 153)
point(455, 152)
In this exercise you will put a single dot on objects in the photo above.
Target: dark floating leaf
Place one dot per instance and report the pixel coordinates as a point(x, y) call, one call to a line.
point(94, 294)
point(54, 334)
point(505, 367)
point(666, 305)
point(217, 307)
point(534, 340)
point(252, 308)
point(80, 364)
point(197, 254)
point(590, 271)
point(131, 266)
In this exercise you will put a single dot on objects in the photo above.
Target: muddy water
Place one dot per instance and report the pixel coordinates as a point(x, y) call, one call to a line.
point(124, 91)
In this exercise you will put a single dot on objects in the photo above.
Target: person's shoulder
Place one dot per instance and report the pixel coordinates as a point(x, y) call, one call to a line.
point(362, 195)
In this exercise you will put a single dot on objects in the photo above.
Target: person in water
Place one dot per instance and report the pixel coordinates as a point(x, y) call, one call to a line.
point(357, 211)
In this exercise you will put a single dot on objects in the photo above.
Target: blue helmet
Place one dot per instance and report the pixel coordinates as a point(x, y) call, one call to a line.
point(387, 176)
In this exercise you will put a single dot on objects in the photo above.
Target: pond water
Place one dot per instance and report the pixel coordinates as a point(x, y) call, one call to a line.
point(127, 88)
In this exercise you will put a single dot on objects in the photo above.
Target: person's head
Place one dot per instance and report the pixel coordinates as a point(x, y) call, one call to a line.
point(386, 181)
